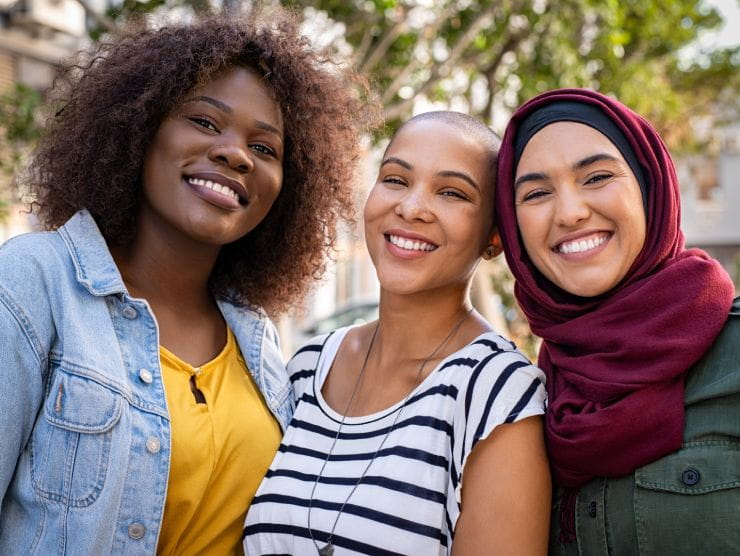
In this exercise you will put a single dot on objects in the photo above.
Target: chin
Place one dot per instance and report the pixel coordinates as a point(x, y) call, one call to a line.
point(588, 289)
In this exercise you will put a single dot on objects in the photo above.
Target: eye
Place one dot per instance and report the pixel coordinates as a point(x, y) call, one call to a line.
point(454, 194)
point(394, 180)
point(204, 122)
point(264, 149)
point(598, 178)
point(534, 195)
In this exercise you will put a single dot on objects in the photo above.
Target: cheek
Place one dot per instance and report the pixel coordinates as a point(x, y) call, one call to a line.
point(637, 235)
point(530, 230)
point(277, 183)
point(373, 206)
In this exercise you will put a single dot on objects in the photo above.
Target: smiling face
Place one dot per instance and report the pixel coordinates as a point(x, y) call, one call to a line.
point(215, 165)
point(429, 216)
point(579, 208)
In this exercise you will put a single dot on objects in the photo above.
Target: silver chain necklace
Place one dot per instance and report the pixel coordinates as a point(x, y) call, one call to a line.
point(328, 548)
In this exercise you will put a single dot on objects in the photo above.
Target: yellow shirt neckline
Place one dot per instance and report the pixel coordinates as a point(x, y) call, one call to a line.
point(218, 361)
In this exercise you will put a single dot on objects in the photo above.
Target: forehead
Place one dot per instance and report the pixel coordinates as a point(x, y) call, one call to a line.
point(438, 145)
point(242, 88)
point(565, 142)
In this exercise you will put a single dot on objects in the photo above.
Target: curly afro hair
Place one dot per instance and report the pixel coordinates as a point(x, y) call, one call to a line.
point(114, 99)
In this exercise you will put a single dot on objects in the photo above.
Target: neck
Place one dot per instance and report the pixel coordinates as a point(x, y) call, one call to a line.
point(164, 269)
point(414, 325)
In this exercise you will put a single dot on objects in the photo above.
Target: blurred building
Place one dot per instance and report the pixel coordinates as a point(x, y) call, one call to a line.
point(710, 199)
point(34, 36)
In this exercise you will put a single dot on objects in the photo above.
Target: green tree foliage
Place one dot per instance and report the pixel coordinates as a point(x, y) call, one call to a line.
point(19, 130)
point(488, 56)
point(494, 54)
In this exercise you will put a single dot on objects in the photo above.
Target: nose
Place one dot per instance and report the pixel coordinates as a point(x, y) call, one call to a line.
point(572, 206)
point(232, 153)
point(414, 205)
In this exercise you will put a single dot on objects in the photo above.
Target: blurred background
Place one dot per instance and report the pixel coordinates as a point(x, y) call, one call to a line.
point(674, 61)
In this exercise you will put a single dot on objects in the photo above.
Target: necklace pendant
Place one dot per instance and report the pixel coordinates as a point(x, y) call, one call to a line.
point(328, 550)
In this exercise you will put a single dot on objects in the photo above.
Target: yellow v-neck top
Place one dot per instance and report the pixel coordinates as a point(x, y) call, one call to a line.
point(221, 450)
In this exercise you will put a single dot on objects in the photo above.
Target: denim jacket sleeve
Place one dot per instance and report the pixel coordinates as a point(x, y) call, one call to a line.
point(23, 366)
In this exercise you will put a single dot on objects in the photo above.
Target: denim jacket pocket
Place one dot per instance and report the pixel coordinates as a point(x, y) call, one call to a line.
point(686, 502)
point(70, 445)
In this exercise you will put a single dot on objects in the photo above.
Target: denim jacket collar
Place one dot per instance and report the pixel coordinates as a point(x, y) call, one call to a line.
point(94, 265)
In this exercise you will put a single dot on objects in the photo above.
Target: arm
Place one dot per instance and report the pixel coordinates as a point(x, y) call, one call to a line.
point(21, 376)
point(506, 493)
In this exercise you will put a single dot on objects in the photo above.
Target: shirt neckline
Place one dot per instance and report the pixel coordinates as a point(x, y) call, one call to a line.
point(186, 367)
point(326, 358)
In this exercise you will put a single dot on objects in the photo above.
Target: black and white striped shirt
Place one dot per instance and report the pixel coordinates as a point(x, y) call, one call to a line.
point(409, 500)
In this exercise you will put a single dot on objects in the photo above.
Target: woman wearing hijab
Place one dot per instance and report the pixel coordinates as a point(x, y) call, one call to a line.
point(641, 358)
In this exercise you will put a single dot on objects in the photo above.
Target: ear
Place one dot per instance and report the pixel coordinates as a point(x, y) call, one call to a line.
point(498, 246)
point(494, 247)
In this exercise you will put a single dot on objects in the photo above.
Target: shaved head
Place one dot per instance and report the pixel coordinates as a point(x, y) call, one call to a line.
point(464, 122)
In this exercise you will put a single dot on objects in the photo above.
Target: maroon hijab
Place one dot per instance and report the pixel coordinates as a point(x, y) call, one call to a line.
point(616, 363)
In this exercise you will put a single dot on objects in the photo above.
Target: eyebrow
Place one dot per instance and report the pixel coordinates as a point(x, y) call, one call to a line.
point(583, 163)
point(396, 160)
point(210, 100)
point(461, 175)
point(598, 157)
point(228, 110)
point(443, 173)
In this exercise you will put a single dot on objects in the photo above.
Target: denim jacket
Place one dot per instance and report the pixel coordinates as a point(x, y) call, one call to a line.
point(83, 413)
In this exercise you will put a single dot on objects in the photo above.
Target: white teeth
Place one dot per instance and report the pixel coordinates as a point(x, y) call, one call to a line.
point(217, 187)
point(582, 245)
point(411, 245)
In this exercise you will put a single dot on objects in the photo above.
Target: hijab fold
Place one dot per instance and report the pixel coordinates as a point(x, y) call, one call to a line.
point(616, 363)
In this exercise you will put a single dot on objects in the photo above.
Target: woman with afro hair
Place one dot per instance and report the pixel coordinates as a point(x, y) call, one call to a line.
point(189, 182)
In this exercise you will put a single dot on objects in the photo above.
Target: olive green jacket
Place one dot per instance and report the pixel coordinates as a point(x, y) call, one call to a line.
point(687, 502)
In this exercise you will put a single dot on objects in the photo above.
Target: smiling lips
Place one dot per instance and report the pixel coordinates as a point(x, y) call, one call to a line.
point(217, 187)
point(582, 245)
point(410, 244)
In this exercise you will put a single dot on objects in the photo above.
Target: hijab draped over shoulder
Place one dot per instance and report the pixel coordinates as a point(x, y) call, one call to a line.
point(616, 363)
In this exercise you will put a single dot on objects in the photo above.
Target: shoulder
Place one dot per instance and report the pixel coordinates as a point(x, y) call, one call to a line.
point(33, 263)
point(303, 366)
point(728, 340)
point(35, 269)
point(308, 354)
point(495, 356)
point(717, 374)
point(501, 385)
point(36, 250)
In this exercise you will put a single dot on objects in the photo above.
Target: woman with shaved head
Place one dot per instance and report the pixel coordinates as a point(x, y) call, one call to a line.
point(421, 432)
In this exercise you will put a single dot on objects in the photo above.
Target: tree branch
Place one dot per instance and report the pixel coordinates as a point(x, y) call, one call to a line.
point(384, 45)
point(362, 48)
point(101, 19)
point(441, 71)
point(415, 64)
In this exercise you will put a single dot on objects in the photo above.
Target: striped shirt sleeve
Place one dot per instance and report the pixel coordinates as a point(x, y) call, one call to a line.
point(504, 387)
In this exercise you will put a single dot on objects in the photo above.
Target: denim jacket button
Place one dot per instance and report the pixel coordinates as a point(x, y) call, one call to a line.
point(592, 509)
point(130, 313)
point(136, 531)
point(153, 445)
point(145, 376)
point(690, 476)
